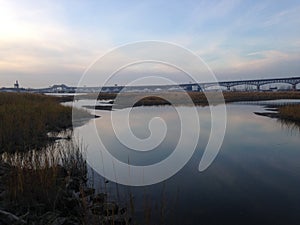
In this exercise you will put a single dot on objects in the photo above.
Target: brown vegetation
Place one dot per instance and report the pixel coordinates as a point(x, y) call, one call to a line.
point(50, 186)
point(198, 98)
point(259, 96)
point(41, 183)
point(26, 120)
point(290, 112)
point(37, 177)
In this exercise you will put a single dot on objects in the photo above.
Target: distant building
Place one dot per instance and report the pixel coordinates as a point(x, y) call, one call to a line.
point(15, 88)
point(16, 85)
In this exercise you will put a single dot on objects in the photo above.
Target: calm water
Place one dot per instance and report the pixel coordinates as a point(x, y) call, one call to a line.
point(255, 178)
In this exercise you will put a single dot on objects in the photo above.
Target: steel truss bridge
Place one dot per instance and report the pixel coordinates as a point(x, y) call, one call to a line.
point(257, 82)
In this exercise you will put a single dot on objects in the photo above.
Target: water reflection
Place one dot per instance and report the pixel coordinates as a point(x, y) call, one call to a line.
point(139, 124)
point(254, 179)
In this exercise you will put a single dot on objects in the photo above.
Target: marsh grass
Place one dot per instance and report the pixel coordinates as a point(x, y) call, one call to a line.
point(26, 120)
point(289, 117)
point(52, 184)
point(199, 98)
point(260, 96)
point(38, 180)
point(36, 177)
point(290, 112)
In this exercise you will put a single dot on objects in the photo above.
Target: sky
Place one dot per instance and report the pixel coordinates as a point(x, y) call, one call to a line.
point(53, 42)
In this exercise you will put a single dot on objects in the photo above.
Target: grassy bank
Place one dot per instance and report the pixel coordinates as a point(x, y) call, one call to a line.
point(43, 182)
point(260, 96)
point(26, 119)
point(198, 98)
point(37, 182)
point(50, 187)
point(290, 112)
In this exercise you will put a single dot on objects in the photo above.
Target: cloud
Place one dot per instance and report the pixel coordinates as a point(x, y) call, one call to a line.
point(265, 64)
point(291, 15)
point(33, 42)
point(49, 42)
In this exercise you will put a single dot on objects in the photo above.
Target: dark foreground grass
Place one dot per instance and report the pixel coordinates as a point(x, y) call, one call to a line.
point(52, 186)
point(26, 120)
point(37, 184)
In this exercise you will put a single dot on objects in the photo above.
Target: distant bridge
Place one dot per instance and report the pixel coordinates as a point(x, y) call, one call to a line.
point(203, 86)
point(257, 83)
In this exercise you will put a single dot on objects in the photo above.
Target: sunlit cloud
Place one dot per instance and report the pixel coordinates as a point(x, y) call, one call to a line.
point(42, 43)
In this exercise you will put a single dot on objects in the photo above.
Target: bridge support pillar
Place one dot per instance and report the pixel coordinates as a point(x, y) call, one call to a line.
point(294, 87)
point(228, 88)
point(258, 87)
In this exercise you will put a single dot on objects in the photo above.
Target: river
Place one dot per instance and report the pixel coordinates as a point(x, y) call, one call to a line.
point(255, 178)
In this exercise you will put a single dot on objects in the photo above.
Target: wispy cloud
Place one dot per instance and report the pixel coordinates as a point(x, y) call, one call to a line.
point(54, 41)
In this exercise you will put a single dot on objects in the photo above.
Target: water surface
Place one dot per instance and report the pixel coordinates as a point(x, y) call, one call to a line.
point(255, 178)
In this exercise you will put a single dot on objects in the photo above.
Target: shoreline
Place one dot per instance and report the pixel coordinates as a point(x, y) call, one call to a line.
point(198, 98)
point(48, 183)
point(289, 112)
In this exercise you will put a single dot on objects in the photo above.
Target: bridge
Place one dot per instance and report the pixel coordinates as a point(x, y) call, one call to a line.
point(257, 82)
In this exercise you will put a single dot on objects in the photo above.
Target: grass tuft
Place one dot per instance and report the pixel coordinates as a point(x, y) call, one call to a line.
point(26, 120)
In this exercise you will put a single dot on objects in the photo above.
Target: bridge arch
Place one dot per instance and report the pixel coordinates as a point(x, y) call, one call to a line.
point(245, 86)
point(278, 85)
point(215, 86)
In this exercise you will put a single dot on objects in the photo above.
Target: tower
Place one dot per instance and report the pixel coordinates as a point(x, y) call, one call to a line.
point(16, 85)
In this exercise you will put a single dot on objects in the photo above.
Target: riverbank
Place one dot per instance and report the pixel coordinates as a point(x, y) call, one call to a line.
point(43, 181)
point(289, 114)
point(51, 187)
point(198, 98)
point(27, 119)
point(123, 100)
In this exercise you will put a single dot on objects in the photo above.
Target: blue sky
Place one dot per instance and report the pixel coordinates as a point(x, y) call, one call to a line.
point(46, 42)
